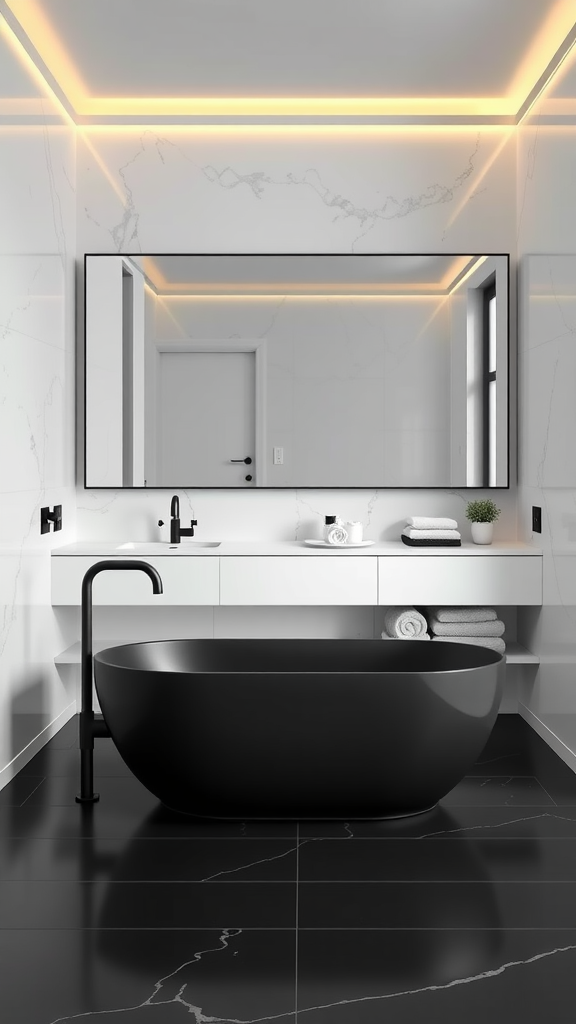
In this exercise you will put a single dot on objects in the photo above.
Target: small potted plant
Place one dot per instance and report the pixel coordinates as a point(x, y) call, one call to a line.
point(482, 515)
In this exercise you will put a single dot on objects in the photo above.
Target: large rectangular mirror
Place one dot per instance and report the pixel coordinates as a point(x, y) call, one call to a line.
point(296, 371)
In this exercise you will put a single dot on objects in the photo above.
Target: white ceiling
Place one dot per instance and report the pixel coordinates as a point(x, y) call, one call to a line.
point(300, 48)
point(303, 274)
point(485, 54)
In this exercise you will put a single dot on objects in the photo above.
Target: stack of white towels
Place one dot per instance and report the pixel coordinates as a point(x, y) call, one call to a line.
point(404, 624)
point(480, 626)
point(427, 531)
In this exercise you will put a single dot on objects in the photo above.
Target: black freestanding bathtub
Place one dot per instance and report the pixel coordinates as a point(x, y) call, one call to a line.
point(299, 728)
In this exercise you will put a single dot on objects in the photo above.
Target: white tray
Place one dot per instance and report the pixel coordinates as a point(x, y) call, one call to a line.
point(325, 544)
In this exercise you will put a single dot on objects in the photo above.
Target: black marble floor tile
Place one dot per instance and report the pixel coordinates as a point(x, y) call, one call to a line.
point(436, 977)
point(66, 761)
point(481, 904)
point(147, 977)
point(455, 822)
point(498, 791)
point(67, 736)
point(456, 907)
point(19, 789)
point(115, 792)
point(151, 860)
point(147, 905)
point(514, 747)
point(106, 820)
point(437, 860)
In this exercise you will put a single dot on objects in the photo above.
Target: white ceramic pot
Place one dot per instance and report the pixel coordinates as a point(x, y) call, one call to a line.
point(482, 532)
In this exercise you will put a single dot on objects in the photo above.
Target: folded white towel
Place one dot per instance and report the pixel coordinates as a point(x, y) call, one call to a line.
point(406, 623)
point(415, 534)
point(495, 643)
point(431, 523)
point(462, 614)
point(337, 535)
point(495, 628)
point(423, 636)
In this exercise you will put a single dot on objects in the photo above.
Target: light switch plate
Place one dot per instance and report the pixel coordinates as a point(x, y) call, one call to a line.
point(278, 458)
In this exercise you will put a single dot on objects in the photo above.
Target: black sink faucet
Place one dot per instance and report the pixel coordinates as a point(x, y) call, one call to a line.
point(175, 531)
point(91, 727)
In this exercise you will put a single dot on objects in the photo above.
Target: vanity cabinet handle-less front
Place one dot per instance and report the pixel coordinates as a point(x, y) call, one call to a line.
point(460, 580)
point(245, 577)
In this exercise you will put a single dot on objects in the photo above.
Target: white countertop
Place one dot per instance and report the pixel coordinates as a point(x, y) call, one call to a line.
point(143, 549)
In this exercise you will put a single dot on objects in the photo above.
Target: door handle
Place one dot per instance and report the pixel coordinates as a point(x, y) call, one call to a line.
point(247, 461)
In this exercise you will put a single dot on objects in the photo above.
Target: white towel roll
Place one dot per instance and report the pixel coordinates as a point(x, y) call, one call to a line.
point(423, 636)
point(494, 628)
point(337, 535)
point(415, 534)
point(431, 523)
point(495, 643)
point(405, 623)
point(463, 614)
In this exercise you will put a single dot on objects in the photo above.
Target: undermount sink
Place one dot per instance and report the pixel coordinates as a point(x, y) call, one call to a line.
point(163, 547)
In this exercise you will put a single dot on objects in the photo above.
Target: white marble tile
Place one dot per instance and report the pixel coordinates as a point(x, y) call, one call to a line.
point(547, 367)
point(37, 395)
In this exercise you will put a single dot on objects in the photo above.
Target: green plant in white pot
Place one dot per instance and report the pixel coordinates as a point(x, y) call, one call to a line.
point(482, 515)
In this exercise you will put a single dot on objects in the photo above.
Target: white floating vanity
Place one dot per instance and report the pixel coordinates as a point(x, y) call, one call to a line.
point(289, 573)
point(264, 580)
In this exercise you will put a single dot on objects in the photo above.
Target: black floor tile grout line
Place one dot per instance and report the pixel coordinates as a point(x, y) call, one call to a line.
point(296, 929)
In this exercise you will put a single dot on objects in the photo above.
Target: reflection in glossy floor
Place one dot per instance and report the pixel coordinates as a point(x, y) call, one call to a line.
point(127, 912)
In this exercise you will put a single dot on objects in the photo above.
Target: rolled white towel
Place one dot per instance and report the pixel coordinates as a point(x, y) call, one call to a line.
point(494, 628)
point(415, 534)
point(462, 614)
point(431, 523)
point(337, 535)
point(495, 643)
point(423, 636)
point(406, 623)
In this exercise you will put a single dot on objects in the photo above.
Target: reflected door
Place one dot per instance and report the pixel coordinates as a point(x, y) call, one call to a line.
point(206, 403)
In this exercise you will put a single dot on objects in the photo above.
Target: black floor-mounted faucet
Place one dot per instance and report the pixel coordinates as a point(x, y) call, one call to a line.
point(175, 531)
point(90, 727)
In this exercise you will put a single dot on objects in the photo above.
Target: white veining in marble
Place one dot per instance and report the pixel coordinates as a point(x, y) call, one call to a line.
point(198, 1014)
point(499, 824)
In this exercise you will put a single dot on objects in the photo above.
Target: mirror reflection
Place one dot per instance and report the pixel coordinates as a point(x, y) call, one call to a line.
point(296, 371)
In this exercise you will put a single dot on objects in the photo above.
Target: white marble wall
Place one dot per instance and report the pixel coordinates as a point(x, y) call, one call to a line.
point(289, 190)
point(37, 251)
point(547, 358)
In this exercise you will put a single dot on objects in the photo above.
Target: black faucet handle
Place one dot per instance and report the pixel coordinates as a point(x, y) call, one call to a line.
point(193, 522)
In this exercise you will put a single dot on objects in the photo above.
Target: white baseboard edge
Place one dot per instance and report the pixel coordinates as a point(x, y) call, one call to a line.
point(549, 737)
point(24, 756)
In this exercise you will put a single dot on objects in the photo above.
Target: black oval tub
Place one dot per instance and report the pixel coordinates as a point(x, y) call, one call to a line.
point(288, 729)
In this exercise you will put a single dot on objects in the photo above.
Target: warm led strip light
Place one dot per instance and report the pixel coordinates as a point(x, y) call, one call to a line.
point(181, 290)
point(531, 78)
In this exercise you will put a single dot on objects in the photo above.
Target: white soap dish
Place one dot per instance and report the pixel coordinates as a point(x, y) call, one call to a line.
point(325, 544)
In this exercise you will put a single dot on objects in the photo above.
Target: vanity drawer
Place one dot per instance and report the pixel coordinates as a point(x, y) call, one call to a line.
point(460, 579)
point(326, 580)
point(185, 581)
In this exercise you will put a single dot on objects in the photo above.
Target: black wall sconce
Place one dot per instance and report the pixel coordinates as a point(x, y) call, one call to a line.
point(47, 517)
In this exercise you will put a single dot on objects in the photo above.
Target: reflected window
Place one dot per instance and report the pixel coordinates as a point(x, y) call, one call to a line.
point(489, 383)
